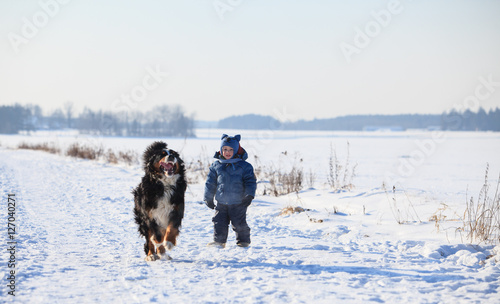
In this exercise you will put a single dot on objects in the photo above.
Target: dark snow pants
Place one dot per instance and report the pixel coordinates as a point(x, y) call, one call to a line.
point(237, 215)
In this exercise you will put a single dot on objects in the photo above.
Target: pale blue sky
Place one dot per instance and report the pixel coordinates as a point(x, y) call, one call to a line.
point(279, 58)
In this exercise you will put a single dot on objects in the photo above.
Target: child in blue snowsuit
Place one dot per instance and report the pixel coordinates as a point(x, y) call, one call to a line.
point(232, 181)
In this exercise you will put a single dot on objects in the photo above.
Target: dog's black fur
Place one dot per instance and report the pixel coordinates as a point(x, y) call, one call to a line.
point(163, 186)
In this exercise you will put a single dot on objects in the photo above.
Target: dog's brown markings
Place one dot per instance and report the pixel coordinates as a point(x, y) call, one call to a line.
point(165, 160)
point(171, 234)
point(160, 250)
point(157, 165)
point(151, 246)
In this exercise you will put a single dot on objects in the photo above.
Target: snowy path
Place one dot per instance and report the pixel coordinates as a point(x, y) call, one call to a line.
point(77, 243)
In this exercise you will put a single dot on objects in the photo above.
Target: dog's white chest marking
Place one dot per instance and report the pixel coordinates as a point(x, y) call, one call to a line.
point(165, 207)
point(161, 212)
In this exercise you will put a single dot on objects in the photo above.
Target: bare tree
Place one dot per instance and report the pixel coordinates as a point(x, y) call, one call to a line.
point(68, 111)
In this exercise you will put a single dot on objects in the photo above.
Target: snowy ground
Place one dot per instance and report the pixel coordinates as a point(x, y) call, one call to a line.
point(77, 242)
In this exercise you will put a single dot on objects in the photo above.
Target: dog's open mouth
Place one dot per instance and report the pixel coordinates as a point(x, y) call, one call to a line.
point(168, 168)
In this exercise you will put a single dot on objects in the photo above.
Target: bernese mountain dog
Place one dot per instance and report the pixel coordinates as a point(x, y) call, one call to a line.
point(159, 200)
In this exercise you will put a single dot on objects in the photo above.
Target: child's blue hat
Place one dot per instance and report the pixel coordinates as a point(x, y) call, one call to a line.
point(233, 142)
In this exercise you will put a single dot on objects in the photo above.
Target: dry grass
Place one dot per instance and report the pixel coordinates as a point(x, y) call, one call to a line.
point(401, 207)
point(111, 157)
point(197, 170)
point(311, 179)
point(286, 182)
point(280, 181)
point(46, 147)
point(291, 210)
point(340, 176)
point(481, 221)
point(439, 216)
point(128, 157)
point(85, 152)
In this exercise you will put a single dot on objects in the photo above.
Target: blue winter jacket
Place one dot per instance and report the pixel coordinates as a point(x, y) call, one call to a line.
point(230, 180)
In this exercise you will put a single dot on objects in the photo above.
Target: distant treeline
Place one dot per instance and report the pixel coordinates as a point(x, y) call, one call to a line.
point(160, 121)
point(471, 121)
point(453, 121)
point(172, 121)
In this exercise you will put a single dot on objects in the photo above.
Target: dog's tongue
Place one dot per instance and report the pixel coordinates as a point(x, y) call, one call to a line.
point(168, 167)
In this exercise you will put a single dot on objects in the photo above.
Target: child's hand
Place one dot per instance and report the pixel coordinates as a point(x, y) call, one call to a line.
point(210, 204)
point(247, 200)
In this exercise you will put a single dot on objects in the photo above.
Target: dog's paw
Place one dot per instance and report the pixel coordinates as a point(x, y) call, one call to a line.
point(152, 258)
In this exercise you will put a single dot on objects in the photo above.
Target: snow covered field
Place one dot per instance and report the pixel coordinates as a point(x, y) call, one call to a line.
point(77, 242)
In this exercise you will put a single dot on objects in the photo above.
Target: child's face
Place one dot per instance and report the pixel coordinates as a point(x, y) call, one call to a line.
point(227, 152)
